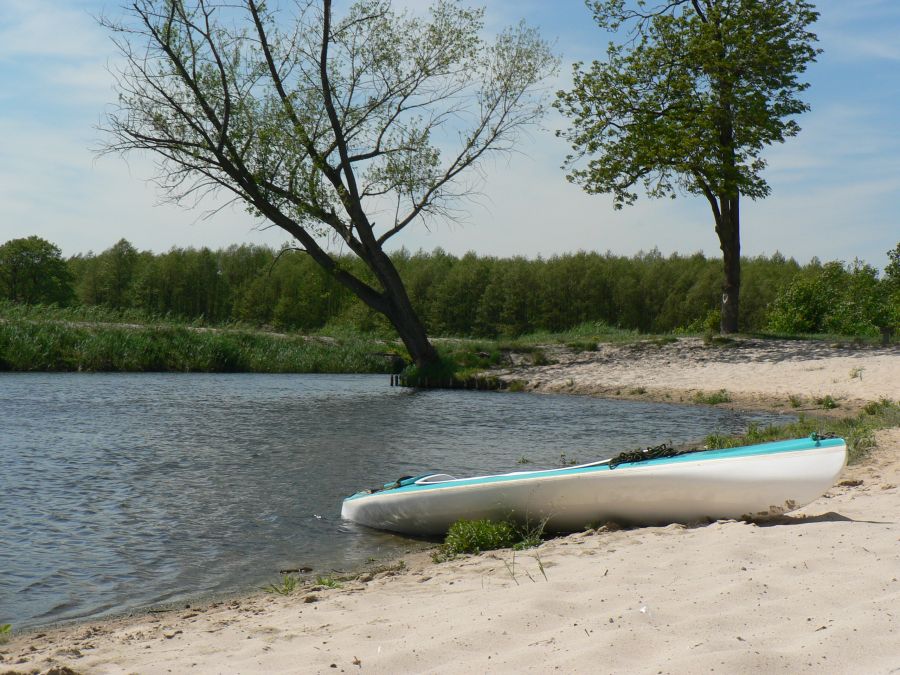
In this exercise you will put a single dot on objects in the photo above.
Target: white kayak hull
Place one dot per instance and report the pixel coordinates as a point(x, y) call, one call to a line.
point(753, 481)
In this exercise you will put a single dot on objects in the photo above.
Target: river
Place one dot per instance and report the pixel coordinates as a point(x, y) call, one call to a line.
point(124, 491)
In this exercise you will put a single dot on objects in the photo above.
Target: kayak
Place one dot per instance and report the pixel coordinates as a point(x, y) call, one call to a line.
point(755, 481)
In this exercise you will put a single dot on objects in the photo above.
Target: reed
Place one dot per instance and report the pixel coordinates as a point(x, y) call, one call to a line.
point(27, 345)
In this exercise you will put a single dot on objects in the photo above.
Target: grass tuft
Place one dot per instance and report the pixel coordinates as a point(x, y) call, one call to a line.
point(713, 398)
point(827, 402)
point(289, 584)
point(476, 536)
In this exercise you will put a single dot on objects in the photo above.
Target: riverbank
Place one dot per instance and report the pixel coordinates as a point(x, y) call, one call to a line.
point(816, 591)
point(836, 378)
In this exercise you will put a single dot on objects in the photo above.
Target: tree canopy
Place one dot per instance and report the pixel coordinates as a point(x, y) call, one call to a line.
point(32, 271)
point(686, 102)
point(342, 131)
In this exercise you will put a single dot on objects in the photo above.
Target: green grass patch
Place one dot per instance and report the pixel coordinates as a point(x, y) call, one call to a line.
point(476, 536)
point(328, 582)
point(712, 398)
point(289, 583)
point(858, 431)
point(579, 346)
point(587, 334)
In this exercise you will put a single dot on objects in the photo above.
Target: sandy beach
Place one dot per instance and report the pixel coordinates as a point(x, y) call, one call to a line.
point(817, 591)
point(780, 375)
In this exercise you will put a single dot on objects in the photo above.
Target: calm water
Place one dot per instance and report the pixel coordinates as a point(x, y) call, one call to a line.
point(128, 490)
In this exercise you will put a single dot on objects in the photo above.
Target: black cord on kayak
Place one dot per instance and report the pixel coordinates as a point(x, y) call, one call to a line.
point(634, 456)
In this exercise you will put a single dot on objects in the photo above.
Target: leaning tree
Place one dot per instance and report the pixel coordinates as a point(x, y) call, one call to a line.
point(688, 100)
point(340, 131)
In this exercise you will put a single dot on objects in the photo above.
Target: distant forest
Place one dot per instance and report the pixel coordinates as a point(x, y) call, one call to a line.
point(483, 296)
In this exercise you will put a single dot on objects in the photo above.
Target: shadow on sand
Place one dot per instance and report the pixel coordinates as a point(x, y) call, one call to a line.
point(830, 517)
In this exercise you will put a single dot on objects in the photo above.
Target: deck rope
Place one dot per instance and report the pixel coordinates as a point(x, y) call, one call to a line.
point(634, 456)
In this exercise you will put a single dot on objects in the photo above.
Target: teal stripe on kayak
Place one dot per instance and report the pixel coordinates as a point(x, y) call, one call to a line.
point(773, 448)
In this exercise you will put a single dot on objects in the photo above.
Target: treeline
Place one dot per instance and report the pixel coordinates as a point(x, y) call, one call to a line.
point(482, 296)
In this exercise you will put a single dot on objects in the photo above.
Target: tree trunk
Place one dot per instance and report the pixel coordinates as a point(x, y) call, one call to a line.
point(729, 232)
point(412, 332)
point(401, 313)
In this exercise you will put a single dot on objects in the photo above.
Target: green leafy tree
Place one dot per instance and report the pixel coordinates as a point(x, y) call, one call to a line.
point(32, 271)
point(117, 266)
point(687, 103)
point(833, 298)
point(317, 123)
point(889, 314)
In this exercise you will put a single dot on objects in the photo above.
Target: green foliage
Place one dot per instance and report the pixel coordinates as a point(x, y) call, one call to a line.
point(838, 299)
point(657, 109)
point(476, 536)
point(32, 271)
point(582, 299)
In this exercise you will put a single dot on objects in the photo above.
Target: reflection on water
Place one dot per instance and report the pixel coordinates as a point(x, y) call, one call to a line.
point(123, 490)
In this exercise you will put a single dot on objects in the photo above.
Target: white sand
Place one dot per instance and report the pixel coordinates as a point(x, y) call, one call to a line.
point(816, 592)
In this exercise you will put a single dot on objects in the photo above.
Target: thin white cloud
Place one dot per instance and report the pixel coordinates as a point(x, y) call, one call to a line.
point(46, 28)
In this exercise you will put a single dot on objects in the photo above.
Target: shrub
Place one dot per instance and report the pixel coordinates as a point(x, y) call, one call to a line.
point(475, 536)
point(838, 299)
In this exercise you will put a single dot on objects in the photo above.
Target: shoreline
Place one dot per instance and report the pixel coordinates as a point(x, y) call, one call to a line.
point(785, 596)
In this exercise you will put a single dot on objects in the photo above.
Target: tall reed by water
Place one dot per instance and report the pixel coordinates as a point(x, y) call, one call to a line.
point(57, 346)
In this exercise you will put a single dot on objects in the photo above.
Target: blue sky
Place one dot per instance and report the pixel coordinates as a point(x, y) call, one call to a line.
point(835, 187)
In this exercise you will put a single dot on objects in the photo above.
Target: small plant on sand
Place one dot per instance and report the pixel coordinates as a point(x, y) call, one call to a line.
point(328, 582)
point(530, 536)
point(795, 401)
point(5, 631)
point(714, 398)
point(288, 585)
point(827, 402)
point(475, 536)
point(878, 407)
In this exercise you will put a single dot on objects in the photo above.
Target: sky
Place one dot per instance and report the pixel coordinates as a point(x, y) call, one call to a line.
point(835, 187)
